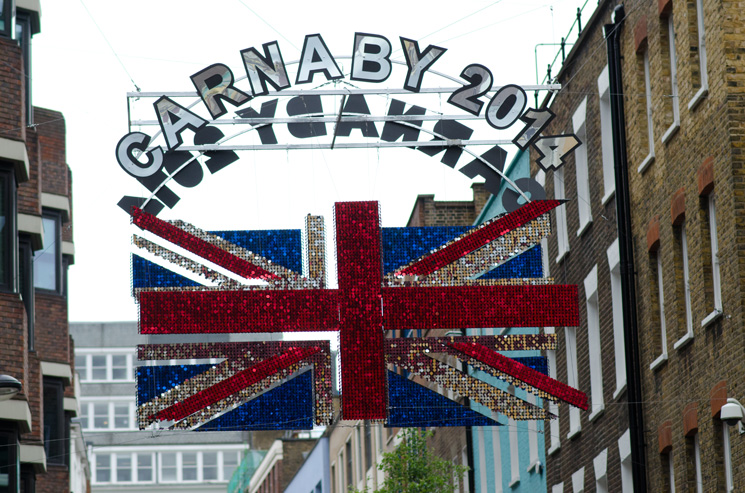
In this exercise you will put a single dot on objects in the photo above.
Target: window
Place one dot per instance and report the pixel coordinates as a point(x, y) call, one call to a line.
point(209, 466)
point(23, 37)
point(650, 130)
point(103, 468)
point(101, 415)
point(619, 344)
point(580, 160)
point(119, 367)
point(562, 235)
point(189, 466)
point(697, 41)
point(333, 478)
point(9, 455)
point(532, 438)
point(26, 285)
point(121, 416)
point(360, 472)
point(98, 367)
point(713, 289)
point(694, 451)
point(319, 487)
point(7, 224)
point(671, 103)
point(606, 136)
point(168, 467)
point(684, 290)
point(144, 468)
point(557, 488)
point(600, 464)
point(514, 451)
point(578, 481)
point(657, 290)
point(230, 461)
point(553, 407)
point(48, 261)
point(123, 468)
point(597, 403)
point(368, 445)
point(6, 16)
point(350, 471)
point(54, 421)
point(570, 336)
point(670, 471)
point(624, 451)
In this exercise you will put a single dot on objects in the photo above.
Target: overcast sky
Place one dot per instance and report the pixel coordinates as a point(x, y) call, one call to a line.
point(90, 53)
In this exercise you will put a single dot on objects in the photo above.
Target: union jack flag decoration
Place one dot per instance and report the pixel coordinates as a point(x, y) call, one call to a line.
point(438, 283)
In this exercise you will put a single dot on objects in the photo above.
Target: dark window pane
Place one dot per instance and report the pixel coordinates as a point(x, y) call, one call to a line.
point(54, 422)
point(4, 230)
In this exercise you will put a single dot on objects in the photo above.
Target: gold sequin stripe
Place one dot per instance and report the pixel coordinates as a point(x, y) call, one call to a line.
point(252, 351)
point(493, 398)
point(508, 378)
point(204, 380)
point(458, 238)
point(514, 342)
point(494, 253)
point(294, 279)
point(315, 249)
point(204, 350)
point(185, 263)
point(233, 401)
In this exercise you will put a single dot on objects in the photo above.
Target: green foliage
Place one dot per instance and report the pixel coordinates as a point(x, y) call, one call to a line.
point(413, 468)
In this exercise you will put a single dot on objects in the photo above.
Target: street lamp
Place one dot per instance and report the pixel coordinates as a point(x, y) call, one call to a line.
point(9, 387)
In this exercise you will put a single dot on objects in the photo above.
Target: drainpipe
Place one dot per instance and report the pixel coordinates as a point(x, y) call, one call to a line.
point(626, 252)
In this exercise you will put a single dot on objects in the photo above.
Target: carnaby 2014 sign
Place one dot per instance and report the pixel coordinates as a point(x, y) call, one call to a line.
point(155, 165)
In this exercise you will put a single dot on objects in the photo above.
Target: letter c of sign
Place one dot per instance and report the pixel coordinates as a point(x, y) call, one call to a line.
point(129, 163)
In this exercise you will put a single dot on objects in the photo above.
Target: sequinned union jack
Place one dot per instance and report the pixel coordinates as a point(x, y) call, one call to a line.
point(405, 302)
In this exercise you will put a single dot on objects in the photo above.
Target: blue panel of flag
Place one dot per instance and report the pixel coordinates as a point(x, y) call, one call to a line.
point(403, 245)
point(527, 264)
point(287, 407)
point(413, 405)
point(154, 380)
point(281, 246)
point(146, 274)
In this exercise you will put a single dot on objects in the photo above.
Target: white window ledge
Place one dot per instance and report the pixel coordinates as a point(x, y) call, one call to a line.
point(596, 413)
point(573, 433)
point(554, 448)
point(711, 318)
point(584, 227)
point(514, 482)
point(619, 391)
point(608, 196)
point(658, 362)
point(535, 465)
point(645, 164)
point(700, 95)
point(683, 341)
point(670, 132)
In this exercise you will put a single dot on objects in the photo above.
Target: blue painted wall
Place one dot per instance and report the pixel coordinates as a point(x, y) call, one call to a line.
point(314, 470)
point(491, 445)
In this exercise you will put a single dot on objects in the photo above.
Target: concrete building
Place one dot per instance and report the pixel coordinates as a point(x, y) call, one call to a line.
point(39, 448)
point(124, 458)
point(314, 475)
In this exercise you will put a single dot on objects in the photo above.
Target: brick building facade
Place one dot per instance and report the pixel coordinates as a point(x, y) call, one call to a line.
point(588, 449)
point(682, 85)
point(684, 131)
point(35, 251)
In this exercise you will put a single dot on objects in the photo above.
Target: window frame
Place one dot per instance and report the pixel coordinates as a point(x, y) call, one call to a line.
point(562, 228)
point(570, 340)
point(54, 445)
point(688, 336)
point(606, 136)
point(9, 261)
point(675, 97)
point(23, 19)
point(727, 456)
point(55, 216)
point(26, 286)
point(650, 125)
point(597, 401)
point(619, 343)
point(584, 206)
point(8, 16)
point(702, 62)
point(661, 306)
point(716, 274)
